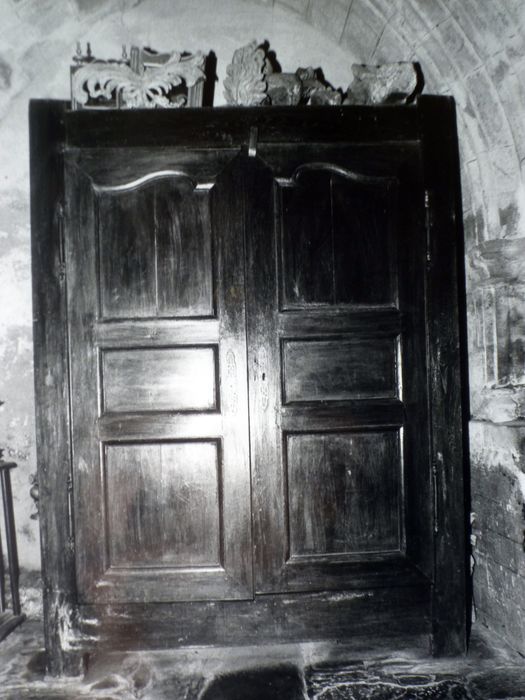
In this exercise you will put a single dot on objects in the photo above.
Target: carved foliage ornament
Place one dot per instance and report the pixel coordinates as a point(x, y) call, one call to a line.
point(145, 80)
point(245, 83)
point(148, 79)
point(253, 81)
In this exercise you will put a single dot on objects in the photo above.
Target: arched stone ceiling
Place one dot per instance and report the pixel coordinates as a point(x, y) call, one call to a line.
point(471, 49)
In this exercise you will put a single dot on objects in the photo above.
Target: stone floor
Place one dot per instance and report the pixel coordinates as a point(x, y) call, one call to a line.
point(316, 671)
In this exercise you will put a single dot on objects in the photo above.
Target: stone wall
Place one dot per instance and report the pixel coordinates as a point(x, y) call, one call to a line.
point(472, 49)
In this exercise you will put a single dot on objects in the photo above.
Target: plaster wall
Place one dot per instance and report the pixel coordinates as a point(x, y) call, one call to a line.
point(472, 49)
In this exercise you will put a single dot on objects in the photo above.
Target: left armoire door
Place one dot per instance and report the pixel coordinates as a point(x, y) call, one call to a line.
point(157, 353)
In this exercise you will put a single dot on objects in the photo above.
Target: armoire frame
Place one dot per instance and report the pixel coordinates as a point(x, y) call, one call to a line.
point(436, 610)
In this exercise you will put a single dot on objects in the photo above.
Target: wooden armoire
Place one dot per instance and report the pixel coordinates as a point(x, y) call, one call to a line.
point(248, 375)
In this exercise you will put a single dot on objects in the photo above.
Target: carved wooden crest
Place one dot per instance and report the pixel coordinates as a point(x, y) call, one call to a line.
point(145, 80)
point(246, 77)
point(148, 79)
point(252, 80)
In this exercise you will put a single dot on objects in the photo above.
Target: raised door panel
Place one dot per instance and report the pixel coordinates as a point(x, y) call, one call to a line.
point(332, 337)
point(165, 274)
point(321, 207)
point(324, 370)
point(160, 379)
point(343, 493)
point(161, 475)
point(163, 505)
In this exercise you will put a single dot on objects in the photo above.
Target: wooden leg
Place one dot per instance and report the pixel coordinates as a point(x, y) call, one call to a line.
point(10, 534)
point(9, 619)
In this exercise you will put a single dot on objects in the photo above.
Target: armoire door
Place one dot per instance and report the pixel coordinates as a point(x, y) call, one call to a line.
point(340, 440)
point(160, 462)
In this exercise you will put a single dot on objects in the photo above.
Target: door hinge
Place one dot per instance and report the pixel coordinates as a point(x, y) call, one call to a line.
point(59, 218)
point(428, 226)
point(70, 532)
point(435, 517)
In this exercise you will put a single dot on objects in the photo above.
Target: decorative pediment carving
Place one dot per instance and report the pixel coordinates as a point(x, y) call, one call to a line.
point(246, 83)
point(389, 83)
point(146, 79)
point(252, 80)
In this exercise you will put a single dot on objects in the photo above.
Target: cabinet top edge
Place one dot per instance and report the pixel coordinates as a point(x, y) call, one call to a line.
point(226, 127)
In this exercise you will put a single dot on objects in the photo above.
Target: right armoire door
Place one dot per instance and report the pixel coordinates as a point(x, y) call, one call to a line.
point(349, 387)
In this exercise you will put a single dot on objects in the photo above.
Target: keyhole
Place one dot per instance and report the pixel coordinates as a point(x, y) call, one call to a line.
point(263, 376)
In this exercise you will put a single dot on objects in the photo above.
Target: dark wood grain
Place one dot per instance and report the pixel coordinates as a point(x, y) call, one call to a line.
point(265, 385)
point(339, 369)
point(441, 177)
point(158, 425)
point(411, 254)
point(155, 250)
point(121, 168)
point(126, 251)
point(163, 504)
point(155, 332)
point(374, 164)
point(177, 379)
point(343, 493)
point(376, 322)
point(264, 379)
point(133, 489)
point(336, 236)
point(329, 382)
point(89, 511)
point(343, 415)
point(46, 121)
point(381, 612)
point(190, 511)
point(305, 213)
point(141, 128)
point(184, 255)
point(363, 220)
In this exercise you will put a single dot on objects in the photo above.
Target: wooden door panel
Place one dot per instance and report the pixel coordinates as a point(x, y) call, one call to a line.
point(363, 223)
point(163, 504)
point(161, 486)
point(336, 236)
point(159, 379)
point(127, 268)
point(154, 245)
point(343, 493)
point(336, 369)
point(307, 244)
point(339, 347)
point(184, 254)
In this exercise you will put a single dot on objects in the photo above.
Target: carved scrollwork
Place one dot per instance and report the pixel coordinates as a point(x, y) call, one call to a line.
point(252, 80)
point(246, 77)
point(389, 83)
point(146, 80)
